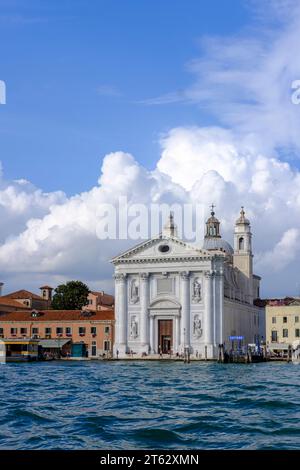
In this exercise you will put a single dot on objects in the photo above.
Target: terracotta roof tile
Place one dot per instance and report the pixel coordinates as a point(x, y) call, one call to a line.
point(58, 315)
point(23, 294)
point(275, 302)
point(7, 302)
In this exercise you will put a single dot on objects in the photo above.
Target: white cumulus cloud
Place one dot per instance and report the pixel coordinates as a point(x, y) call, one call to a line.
point(198, 165)
point(245, 81)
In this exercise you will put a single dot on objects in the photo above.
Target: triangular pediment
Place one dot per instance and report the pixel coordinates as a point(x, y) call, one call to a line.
point(294, 303)
point(160, 248)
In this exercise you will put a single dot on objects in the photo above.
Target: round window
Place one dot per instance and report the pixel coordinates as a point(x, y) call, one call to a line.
point(164, 248)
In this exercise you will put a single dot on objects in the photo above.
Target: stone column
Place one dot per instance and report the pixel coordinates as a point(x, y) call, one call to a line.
point(185, 310)
point(121, 314)
point(151, 342)
point(208, 310)
point(144, 300)
point(219, 315)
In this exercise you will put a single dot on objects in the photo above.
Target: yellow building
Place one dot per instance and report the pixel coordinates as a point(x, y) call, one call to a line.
point(283, 322)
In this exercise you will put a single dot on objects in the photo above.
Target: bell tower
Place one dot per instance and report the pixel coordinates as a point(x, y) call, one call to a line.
point(46, 292)
point(243, 257)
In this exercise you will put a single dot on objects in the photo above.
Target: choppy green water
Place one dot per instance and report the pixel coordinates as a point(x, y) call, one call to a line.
point(148, 405)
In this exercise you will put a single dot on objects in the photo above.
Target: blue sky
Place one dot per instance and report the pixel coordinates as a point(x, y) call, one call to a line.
point(159, 100)
point(77, 73)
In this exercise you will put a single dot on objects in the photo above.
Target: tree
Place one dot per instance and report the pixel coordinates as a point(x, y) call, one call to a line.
point(70, 296)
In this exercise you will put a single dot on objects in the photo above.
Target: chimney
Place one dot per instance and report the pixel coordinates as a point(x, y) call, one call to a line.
point(1, 288)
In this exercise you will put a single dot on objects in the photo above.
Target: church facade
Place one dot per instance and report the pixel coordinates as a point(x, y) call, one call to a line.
point(171, 297)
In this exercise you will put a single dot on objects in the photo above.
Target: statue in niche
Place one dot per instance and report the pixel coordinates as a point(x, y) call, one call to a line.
point(134, 291)
point(197, 330)
point(196, 290)
point(133, 328)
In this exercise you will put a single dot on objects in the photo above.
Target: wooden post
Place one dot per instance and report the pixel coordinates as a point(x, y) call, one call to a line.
point(289, 357)
point(220, 353)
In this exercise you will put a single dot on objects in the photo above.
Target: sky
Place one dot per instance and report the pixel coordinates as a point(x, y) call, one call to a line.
point(159, 101)
point(77, 74)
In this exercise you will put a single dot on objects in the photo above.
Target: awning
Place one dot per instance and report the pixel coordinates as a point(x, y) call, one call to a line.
point(282, 346)
point(53, 343)
point(18, 341)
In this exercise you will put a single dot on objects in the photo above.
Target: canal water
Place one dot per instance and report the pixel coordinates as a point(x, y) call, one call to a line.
point(149, 405)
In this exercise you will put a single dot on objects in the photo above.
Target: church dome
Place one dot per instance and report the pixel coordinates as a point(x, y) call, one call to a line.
point(212, 220)
point(217, 243)
point(213, 239)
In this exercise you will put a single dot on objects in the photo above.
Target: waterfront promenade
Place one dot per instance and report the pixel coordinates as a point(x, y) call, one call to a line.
point(149, 405)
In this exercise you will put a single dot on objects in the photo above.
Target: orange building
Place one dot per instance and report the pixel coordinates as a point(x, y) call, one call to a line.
point(94, 329)
point(100, 301)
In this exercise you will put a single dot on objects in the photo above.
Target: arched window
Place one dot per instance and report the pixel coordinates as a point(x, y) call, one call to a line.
point(241, 243)
point(212, 231)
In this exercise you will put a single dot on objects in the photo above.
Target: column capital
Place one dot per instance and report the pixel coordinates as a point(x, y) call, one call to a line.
point(120, 277)
point(208, 274)
point(185, 275)
point(144, 276)
point(219, 273)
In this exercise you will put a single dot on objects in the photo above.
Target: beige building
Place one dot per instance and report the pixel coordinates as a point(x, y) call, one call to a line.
point(283, 321)
point(30, 300)
point(10, 305)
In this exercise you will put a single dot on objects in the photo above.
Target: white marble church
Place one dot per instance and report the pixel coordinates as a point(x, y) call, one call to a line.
point(172, 297)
